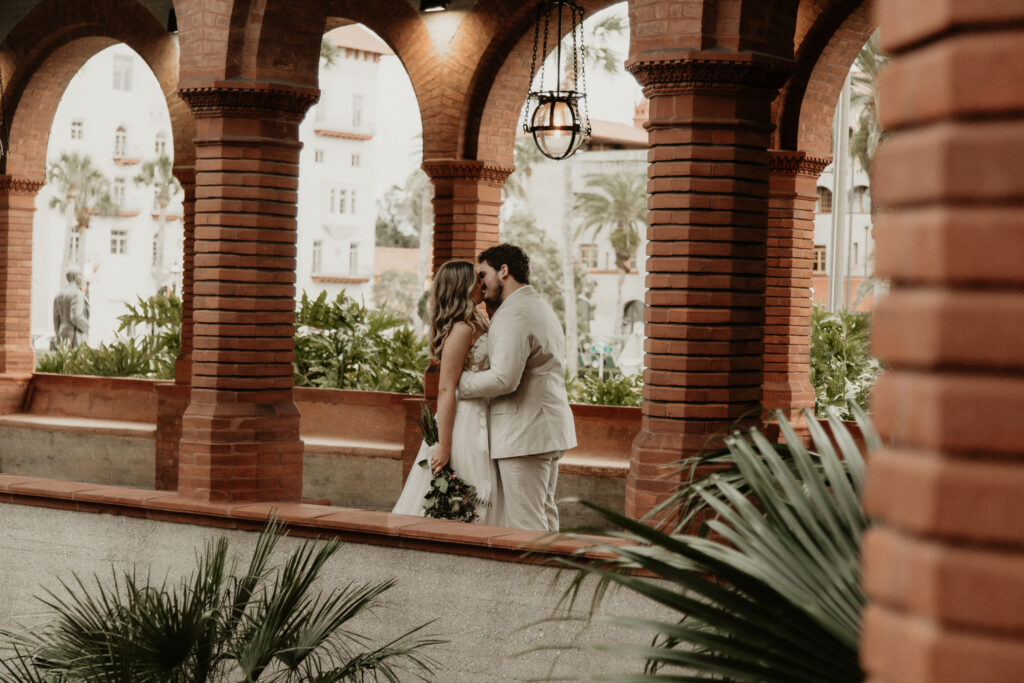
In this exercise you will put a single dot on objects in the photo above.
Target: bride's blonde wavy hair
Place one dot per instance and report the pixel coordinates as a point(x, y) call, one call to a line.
point(451, 302)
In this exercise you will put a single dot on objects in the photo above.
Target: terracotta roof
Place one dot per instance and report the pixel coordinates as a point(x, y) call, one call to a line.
point(324, 132)
point(400, 259)
point(609, 133)
point(340, 280)
point(356, 37)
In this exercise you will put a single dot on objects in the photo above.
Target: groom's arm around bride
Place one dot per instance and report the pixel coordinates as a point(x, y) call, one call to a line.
point(531, 423)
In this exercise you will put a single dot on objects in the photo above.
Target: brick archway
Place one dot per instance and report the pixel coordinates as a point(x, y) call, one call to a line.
point(833, 36)
point(48, 47)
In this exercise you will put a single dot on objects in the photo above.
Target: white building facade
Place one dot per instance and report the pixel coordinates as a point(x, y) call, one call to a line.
point(114, 112)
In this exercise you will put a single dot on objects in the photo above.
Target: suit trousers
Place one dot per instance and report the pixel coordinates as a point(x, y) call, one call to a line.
point(528, 490)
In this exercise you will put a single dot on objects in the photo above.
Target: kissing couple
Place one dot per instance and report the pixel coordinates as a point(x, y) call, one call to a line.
point(503, 417)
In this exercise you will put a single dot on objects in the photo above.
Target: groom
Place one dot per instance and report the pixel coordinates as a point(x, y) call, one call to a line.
point(531, 422)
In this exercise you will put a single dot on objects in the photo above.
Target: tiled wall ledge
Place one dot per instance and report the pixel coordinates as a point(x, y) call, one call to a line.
point(359, 526)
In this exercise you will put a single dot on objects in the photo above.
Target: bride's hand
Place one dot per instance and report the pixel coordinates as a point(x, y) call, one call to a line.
point(439, 459)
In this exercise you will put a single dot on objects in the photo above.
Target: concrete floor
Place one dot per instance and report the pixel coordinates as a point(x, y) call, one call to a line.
point(481, 606)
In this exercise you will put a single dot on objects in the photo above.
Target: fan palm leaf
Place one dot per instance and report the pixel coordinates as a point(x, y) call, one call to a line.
point(777, 596)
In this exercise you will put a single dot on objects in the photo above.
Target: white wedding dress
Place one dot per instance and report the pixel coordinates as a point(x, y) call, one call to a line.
point(471, 455)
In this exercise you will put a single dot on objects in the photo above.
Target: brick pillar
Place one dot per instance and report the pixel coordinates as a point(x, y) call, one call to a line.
point(944, 567)
point(172, 397)
point(792, 189)
point(17, 360)
point(710, 119)
point(467, 213)
point(240, 432)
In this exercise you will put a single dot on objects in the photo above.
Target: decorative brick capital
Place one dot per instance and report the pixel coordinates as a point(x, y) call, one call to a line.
point(708, 72)
point(20, 184)
point(483, 171)
point(250, 100)
point(186, 175)
point(797, 163)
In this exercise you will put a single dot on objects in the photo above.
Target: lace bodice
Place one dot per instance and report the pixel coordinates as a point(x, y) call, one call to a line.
point(476, 359)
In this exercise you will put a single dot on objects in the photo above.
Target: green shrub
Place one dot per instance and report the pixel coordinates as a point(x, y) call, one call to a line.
point(269, 623)
point(615, 389)
point(341, 344)
point(843, 371)
point(120, 358)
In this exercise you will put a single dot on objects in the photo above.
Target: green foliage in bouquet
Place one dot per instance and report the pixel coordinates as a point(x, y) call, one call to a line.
point(428, 425)
point(449, 496)
point(341, 344)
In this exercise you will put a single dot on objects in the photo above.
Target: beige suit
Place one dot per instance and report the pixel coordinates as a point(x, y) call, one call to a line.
point(531, 424)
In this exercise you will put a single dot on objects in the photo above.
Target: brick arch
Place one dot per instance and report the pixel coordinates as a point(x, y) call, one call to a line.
point(48, 47)
point(830, 35)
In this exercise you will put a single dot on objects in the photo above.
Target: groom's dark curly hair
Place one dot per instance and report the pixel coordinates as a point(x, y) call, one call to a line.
point(510, 255)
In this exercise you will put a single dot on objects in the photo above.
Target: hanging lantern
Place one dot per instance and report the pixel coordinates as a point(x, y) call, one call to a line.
point(557, 118)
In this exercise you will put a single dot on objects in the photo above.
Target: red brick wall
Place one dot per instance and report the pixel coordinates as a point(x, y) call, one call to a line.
point(944, 568)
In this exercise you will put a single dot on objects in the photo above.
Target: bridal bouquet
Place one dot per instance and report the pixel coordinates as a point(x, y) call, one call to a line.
point(449, 496)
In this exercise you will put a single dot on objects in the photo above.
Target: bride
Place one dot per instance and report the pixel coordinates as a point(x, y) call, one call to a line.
point(458, 332)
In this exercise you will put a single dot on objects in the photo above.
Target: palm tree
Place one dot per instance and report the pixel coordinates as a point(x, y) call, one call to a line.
point(157, 174)
point(83, 190)
point(617, 205)
point(270, 623)
point(329, 53)
point(864, 96)
point(780, 599)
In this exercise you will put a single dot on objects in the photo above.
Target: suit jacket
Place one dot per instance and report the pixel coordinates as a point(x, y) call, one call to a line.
point(530, 412)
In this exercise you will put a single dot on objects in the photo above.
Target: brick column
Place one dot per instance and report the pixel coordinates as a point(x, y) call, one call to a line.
point(467, 213)
point(710, 119)
point(792, 189)
point(17, 360)
point(944, 567)
point(240, 432)
point(173, 396)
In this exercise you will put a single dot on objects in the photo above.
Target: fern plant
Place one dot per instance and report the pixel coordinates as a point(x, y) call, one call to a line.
point(843, 371)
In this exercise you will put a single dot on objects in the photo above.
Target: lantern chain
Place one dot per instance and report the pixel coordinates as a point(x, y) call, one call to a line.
point(533, 70)
point(583, 71)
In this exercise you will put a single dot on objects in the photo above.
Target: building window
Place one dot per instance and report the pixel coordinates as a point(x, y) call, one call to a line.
point(824, 200)
point(156, 248)
point(160, 146)
point(588, 256)
point(318, 256)
point(121, 142)
point(357, 110)
point(73, 246)
point(318, 156)
point(122, 72)
point(119, 190)
point(819, 258)
point(355, 159)
point(77, 129)
point(353, 257)
point(860, 199)
point(118, 241)
point(341, 201)
point(856, 252)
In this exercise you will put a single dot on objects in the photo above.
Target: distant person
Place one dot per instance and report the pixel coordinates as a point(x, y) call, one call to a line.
point(70, 310)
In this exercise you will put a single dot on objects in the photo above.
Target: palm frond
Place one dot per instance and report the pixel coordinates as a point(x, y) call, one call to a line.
point(777, 596)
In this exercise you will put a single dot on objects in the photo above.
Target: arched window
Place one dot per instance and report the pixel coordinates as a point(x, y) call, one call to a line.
point(632, 313)
point(160, 146)
point(121, 142)
point(824, 200)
